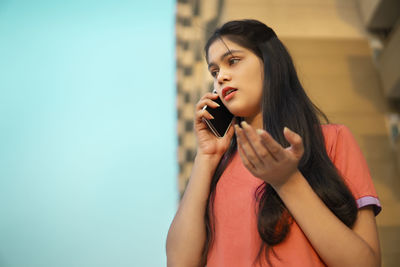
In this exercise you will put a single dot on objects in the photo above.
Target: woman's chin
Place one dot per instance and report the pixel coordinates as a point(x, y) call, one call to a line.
point(243, 113)
point(238, 111)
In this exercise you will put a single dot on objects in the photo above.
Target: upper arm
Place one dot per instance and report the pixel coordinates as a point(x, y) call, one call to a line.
point(365, 227)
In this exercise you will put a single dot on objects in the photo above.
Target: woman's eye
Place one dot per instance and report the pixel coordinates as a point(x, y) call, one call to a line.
point(214, 73)
point(233, 60)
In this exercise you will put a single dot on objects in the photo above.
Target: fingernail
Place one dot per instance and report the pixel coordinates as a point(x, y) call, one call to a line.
point(237, 129)
point(243, 123)
point(218, 105)
point(259, 131)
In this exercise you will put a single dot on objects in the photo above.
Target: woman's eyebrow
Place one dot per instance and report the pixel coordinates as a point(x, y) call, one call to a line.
point(229, 52)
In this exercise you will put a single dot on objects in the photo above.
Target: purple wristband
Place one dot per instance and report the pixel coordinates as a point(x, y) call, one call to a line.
point(368, 200)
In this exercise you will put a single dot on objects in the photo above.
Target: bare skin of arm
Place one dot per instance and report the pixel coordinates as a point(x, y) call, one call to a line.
point(187, 233)
point(335, 243)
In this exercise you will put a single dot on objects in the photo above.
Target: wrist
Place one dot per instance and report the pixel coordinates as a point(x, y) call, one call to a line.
point(206, 164)
point(291, 184)
point(211, 159)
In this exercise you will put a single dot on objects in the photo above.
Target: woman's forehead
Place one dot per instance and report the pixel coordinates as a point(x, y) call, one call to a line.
point(221, 46)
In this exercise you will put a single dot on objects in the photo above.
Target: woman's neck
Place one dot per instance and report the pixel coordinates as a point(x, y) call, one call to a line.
point(255, 121)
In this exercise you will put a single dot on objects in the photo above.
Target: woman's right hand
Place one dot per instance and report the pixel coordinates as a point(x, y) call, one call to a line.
point(207, 142)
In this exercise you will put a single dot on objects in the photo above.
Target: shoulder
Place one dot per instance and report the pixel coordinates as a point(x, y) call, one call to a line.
point(335, 129)
point(346, 155)
point(337, 136)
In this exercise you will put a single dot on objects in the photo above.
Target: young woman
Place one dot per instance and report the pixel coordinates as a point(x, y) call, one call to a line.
point(280, 188)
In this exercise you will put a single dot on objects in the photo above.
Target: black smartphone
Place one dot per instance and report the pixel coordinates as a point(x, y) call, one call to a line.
point(222, 119)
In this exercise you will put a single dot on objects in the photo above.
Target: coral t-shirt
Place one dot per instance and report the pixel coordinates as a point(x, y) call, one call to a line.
point(237, 241)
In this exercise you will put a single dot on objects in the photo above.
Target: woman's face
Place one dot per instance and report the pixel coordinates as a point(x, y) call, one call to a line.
point(238, 77)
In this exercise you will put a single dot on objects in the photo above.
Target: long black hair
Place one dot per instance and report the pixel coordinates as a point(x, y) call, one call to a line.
point(284, 103)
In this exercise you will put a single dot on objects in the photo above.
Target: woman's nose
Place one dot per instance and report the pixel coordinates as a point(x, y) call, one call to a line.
point(223, 76)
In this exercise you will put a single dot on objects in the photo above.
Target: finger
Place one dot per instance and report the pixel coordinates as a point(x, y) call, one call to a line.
point(274, 148)
point(255, 141)
point(242, 154)
point(247, 149)
point(295, 141)
point(203, 114)
point(202, 103)
point(209, 96)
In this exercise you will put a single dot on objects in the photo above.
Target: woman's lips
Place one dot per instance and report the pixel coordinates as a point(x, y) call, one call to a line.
point(229, 95)
point(228, 92)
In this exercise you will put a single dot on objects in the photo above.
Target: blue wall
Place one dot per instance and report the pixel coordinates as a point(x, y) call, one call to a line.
point(87, 132)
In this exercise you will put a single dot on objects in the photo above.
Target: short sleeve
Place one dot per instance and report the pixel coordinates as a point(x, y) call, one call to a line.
point(351, 164)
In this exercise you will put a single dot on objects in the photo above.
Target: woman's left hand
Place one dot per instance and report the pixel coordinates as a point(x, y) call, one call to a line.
point(267, 159)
